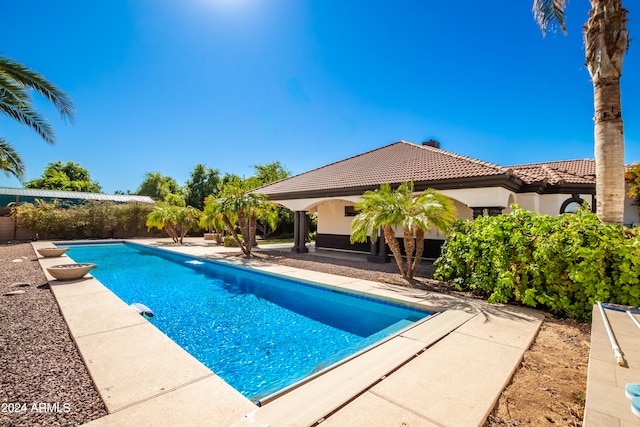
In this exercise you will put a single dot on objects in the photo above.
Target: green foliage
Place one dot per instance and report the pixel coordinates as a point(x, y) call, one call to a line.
point(203, 182)
point(17, 82)
point(561, 264)
point(239, 208)
point(230, 242)
point(632, 178)
point(93, 219)
point(271, 172)
point(158, 186)
point(266, 174)
point(386, 209)
point(69, 176)
point(175, 220)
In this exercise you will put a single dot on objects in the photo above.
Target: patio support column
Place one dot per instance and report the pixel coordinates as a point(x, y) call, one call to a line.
point(378, 253)
point(477, 212)
point(494, 211)
point(300, 232)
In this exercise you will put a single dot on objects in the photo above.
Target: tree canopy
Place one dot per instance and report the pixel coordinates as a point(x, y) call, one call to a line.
point(68, 176)
point(203, 182)
point(158, 186)
point(16, 82)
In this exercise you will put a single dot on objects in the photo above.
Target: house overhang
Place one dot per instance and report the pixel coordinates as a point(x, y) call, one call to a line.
point(508, 182)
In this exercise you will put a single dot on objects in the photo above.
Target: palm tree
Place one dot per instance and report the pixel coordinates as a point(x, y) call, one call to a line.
point(242, 208)
point(16, 81)
point(211, 218)
point(606, 40)
point(175, 220)
point(10, 161)
point(386, 209)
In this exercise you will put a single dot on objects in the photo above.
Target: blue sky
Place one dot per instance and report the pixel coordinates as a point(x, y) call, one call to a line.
point(161, 85)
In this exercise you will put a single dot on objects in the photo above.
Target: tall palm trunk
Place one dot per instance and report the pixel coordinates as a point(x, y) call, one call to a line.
point(390, 237)
point(419, 251)
point(606, 42)
point(231, 229)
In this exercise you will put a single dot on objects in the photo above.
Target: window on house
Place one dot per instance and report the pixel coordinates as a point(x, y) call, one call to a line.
point(571, 205)
point(350, 211)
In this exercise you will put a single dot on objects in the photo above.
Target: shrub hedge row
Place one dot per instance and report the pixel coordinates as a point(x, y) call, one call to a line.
point(561, 264)
point(94, 219)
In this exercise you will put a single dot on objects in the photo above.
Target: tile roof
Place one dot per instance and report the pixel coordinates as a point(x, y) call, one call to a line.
point(557, 173)
point(404, 161)
point(395, 163)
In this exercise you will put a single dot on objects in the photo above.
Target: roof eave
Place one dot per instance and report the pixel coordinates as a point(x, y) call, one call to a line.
point(507, 181)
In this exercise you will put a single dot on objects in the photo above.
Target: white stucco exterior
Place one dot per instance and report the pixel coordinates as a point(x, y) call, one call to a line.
point(332, 219)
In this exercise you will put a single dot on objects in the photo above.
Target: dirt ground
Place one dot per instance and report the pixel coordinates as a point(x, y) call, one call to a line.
point(550, 386)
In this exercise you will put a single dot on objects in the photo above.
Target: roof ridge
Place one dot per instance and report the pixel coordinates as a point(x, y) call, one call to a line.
point(552, 161)
point(553, 173)
point(332, 163)
point(505, 169)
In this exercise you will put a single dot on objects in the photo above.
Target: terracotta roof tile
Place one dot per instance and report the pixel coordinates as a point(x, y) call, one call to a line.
point(561, 172)
point(404, 161)
point(395, 163)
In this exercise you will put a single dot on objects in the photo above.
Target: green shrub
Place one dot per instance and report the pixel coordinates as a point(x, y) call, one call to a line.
point(89, 220)
point(230, 242)
point(561, 264)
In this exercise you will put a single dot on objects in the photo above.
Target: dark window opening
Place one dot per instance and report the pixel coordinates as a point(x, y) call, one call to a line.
point(350, 211)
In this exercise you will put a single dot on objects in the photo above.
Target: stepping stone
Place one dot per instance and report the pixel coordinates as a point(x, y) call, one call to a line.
point(15, 292)
point(19, 285)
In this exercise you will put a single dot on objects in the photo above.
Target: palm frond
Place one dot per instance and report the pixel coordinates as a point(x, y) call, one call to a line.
point(550, 15)
point(10, 161)
point(32, 80)
point(23, 112)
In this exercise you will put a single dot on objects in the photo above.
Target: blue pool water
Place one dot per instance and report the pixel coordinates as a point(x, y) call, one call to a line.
point(257, 331)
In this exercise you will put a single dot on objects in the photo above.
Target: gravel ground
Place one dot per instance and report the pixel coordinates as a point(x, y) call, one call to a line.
point(44, 381)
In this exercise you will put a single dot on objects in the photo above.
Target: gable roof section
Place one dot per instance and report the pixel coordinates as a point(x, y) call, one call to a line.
point(395, 163)
point(560, 173)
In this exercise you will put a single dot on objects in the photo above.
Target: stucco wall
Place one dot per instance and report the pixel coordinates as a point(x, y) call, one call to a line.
point(546, 204)
point(631, 215)
point(332, 220)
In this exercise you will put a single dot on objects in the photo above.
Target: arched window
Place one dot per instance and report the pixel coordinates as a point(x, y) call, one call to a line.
point(571, 205)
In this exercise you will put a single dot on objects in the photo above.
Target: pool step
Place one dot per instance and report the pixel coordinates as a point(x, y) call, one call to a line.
point(312, 401)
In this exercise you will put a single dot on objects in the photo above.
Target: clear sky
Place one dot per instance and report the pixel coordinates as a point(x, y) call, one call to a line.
point(162, 85)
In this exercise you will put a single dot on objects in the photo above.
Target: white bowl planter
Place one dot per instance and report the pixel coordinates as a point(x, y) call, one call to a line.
point(51, 252)
point(70, 271)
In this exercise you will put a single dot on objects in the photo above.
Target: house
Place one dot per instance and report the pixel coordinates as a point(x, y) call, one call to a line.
point(477, 188)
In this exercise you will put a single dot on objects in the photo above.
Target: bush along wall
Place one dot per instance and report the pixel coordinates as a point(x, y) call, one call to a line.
point(95, 220)
point(560, 264)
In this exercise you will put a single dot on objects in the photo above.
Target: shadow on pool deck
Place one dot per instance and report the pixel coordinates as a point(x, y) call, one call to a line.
point(448, 371)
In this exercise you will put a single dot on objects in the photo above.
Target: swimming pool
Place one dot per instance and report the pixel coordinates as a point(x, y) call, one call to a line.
point(258, 331)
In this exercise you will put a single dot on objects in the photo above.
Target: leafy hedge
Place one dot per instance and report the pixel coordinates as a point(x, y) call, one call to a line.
point(561, 264)
point(93, 219)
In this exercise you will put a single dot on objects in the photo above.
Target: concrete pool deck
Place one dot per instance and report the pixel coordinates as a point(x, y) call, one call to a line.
point(446, 371)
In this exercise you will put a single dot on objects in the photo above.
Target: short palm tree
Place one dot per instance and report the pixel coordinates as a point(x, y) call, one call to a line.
point(175, 220)
point(211, 219)
point(242, 208)
point(16, 81)
point(606, 40)
point(385, 208)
